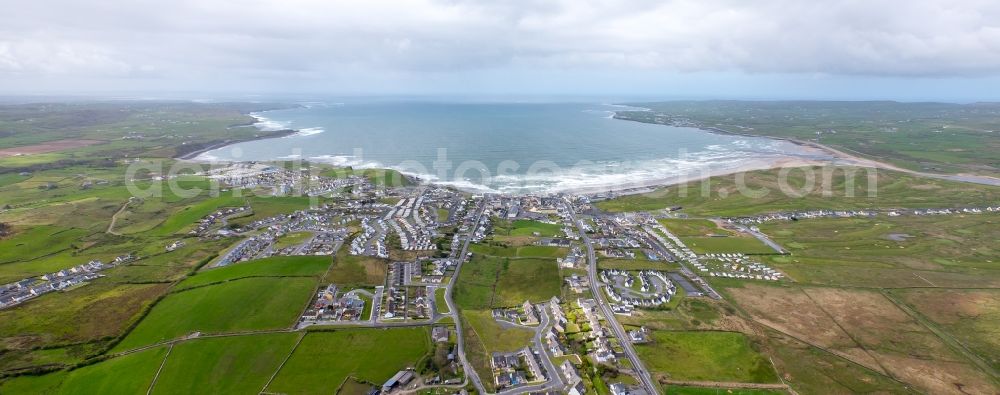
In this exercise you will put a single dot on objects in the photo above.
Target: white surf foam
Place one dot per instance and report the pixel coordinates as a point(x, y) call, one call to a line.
point(267, 124)
point(309, 131)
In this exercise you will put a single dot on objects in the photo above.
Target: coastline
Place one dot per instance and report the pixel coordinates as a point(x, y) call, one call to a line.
point(193, 155)
point(839, 158)
point(843, 158)
point(651, 185)
point(629, 187)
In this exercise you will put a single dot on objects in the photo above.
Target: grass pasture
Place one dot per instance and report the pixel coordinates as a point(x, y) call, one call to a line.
point(939, 251)
point(484, 336)
point(542, 251)
point(892, 190)
point(325, 359)
point(521, 252)
point(278, 266)
point(692, 227)
point(972, 317)
point(265, 206)
point(38, 241)
point(730, 244)
point(241, 305)
point(187, 216)
point(705, 356)
point(904, 347)
point(227, 365)
point(292, 239)
point(933, 137)
point(524, 227)
point(101, 378)
point(810, 370)
point(15, 271)
point(488, 281)
point(357, 270)
point(85, 314)
point(794, 312)
point(864, 327)
point(682, 390)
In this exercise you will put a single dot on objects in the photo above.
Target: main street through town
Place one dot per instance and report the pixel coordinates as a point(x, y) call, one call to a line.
point(470, 372)
point(637, 365)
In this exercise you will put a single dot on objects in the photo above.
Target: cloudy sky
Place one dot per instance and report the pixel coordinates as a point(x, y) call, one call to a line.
point(902, 49)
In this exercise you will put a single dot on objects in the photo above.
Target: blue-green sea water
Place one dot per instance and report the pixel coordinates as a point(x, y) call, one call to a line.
point(504, 147)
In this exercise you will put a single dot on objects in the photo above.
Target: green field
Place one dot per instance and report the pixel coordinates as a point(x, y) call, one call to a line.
point(228, 365)
point(325, 359)
point(970, 316)
point(934, 137)
point(187, 216)
point(944, 251)
point(542, 251)
point(15, 271)
point(692, 227)
point(265, 206)
point(875, 305)
point(705, 356)
point(357, 270)
point(101, 378)
point(241, 305)
point(38, 241)
point(488, 281)
point(680, 390)
point(892, 189)
point(523, 251)
point(524, 227)
point(292, 239)
point(86, 314)
point(204, 124)
point(278, 266)
point(733, 244)
point(484, 336)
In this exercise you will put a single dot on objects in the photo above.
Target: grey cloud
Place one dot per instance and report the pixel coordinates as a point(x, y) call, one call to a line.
point(321, 38)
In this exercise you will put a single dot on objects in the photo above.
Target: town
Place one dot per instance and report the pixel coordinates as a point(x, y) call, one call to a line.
point(428, 247)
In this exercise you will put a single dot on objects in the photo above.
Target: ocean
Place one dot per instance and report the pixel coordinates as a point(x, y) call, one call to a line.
point(511, 148)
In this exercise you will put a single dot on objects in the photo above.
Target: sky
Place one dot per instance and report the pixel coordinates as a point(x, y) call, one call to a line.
point(945, 50)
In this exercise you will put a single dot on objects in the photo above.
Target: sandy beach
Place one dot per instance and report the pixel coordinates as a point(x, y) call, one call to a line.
point(814, 154)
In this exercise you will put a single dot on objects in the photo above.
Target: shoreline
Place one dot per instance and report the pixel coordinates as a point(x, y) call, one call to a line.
point(847, 158)
point(839, 158)
point(193, 155)
point(651, 185)
point(630, 187)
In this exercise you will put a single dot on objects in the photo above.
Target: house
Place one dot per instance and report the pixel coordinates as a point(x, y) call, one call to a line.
point(400, 379)
point(503, 380)
point(569, 371)
point(638, 336)
point(530, 315)
point(501, 361)
point(439, 334)
point(619, 389)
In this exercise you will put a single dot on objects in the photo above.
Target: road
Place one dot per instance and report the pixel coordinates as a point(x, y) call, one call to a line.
point(661, 246)
point(555, 379)
point(114, 217)
point(470, 372)
point(640, 370)
point(762, 237)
